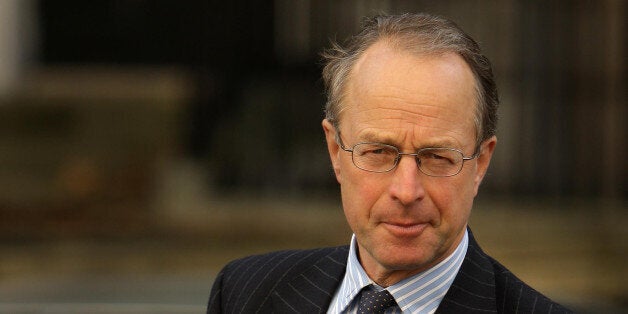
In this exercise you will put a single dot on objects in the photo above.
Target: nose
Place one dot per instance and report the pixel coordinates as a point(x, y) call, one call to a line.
point(406, 185)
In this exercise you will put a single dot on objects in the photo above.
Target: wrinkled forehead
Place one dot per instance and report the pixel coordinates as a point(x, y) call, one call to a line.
point(388, 65)
point(393, 84)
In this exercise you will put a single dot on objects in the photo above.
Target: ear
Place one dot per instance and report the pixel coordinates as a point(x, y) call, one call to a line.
point(483, 160)
point(332, 146)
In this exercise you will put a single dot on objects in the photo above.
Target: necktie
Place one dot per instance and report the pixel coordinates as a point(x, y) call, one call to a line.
point(375, 302)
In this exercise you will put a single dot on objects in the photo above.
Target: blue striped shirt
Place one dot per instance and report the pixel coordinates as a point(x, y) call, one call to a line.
point(421, 293)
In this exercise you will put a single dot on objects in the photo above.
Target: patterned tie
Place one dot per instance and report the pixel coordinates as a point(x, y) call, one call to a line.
point(375, 302)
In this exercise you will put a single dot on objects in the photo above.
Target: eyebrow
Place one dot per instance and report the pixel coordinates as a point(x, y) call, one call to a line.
point(373, 137)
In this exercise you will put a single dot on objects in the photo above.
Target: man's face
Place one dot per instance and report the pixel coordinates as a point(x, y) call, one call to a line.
point(404, 220)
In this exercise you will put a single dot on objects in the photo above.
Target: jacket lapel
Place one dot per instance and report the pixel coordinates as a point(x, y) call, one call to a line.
point(312, 290)
point(473, 289)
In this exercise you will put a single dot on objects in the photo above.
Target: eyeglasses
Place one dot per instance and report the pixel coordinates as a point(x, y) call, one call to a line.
point(432, 161)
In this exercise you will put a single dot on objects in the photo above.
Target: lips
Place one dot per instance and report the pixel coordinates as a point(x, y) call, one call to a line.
point(404, 230)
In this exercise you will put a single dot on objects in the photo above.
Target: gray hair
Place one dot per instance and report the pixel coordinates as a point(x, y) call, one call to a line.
point(420, 33)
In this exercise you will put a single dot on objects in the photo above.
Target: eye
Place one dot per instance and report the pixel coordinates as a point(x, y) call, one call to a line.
point(435, 156)
point(374, 150)
point(377, 151)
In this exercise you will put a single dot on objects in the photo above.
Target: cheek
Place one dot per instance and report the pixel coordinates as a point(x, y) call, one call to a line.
point(452, 199)
point(360, 191)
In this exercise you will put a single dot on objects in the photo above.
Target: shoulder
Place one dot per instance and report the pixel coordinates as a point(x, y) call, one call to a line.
point(485, 285)
point(281, 263)
point(249, 281)
point(515, 296)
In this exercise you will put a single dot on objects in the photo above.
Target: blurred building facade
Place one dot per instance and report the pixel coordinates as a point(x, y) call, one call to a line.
point(235, 87)
point(161, 137)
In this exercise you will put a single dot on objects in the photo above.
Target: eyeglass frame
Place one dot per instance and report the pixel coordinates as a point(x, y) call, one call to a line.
point(401, 154)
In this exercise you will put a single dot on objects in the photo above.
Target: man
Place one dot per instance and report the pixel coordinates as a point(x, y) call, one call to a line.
point(410, 129)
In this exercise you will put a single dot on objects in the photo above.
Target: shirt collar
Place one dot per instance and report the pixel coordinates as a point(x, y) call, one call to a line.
point(354, 280)
point(419, 293)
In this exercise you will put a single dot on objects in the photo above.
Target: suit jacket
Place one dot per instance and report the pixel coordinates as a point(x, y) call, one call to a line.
point(304, 281)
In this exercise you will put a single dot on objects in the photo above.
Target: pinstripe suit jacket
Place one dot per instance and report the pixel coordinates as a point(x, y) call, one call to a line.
point(305, 281)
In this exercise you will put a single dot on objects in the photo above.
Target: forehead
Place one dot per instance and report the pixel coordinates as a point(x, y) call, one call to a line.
point(392, 91)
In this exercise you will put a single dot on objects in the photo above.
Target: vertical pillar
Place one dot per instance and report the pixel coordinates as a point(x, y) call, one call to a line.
point(17, 40)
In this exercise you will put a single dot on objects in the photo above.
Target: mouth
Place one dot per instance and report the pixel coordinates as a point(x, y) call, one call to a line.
point(405, 230)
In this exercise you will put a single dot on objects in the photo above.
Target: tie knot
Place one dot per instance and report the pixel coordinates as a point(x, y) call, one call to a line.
point(375, 301)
